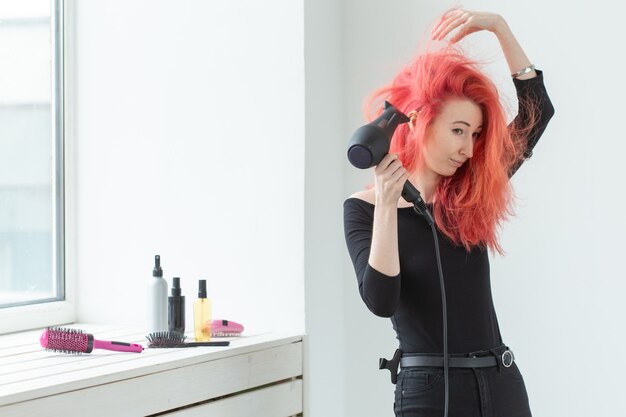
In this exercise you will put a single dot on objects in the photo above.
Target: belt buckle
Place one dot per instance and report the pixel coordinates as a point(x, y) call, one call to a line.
point(507, 358)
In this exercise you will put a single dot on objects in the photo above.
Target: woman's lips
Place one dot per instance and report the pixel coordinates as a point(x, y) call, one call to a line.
point(456, 163)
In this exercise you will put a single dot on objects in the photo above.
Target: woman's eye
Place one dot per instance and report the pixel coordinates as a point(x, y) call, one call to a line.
point(458, 131)
point(476, 135)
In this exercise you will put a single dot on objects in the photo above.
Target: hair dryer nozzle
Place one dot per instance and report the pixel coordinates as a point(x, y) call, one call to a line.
point(370, 143)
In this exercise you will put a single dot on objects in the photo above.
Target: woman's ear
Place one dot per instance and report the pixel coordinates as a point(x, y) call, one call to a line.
point(413, 120)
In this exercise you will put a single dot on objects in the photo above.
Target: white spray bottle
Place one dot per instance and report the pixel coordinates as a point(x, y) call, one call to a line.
point(157, 300)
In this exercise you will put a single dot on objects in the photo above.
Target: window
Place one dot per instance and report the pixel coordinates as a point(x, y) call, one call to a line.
point(31, 153)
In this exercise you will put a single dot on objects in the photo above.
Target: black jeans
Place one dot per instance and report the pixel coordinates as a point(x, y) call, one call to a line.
point(473, 392)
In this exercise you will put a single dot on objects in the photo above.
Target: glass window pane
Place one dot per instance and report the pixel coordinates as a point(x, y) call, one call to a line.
point(29, 154)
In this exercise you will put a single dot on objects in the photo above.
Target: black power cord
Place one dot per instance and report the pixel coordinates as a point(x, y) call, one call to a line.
point(411, 194)
point(445, 319)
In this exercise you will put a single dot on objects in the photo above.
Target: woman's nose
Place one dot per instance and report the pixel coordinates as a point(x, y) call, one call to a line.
point(468, 148)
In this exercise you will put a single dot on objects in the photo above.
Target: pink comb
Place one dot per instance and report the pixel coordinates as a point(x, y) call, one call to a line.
point(225, 328)
point(64, 340)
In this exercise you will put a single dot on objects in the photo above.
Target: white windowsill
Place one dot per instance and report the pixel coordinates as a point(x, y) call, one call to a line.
point(40, 382)
point(14, 319)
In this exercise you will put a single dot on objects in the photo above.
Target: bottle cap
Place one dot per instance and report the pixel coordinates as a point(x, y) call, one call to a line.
point(157, 271)
point(176, 290)
point(202, 288)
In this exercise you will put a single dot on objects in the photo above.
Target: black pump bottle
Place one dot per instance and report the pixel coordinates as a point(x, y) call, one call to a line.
point(176, 308)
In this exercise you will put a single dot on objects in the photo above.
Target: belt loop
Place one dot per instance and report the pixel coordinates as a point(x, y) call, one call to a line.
point(497, 360)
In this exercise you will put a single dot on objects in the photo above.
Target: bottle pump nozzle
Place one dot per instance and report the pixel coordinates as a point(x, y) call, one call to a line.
point(202, 288)
point(176, 290)
point(157, 271)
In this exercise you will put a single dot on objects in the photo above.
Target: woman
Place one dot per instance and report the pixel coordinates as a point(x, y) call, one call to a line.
point(458, 151)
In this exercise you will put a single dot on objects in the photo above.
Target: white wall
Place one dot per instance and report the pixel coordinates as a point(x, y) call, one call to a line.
point(558, 292)
point(189, 137)
point(160, 164)
point(324, 244)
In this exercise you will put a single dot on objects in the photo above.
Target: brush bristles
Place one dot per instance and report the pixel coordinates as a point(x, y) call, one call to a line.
point(64, 340)
point(165, 339)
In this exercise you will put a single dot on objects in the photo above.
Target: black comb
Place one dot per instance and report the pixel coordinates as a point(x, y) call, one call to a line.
point(176, 340)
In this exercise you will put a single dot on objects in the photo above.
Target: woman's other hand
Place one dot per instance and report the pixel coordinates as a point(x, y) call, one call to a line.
point(467, 22)
point(389, 179)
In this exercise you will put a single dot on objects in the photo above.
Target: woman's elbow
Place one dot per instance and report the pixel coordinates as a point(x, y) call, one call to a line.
point(547, 110)
point(381, 309)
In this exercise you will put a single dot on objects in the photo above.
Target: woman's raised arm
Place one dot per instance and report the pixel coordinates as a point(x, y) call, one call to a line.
point(468, 22)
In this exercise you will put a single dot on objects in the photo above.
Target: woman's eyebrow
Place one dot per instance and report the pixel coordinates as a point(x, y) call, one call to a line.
point(467, 124)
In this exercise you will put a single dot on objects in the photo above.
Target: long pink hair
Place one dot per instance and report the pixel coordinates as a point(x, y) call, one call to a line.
point(470, 205)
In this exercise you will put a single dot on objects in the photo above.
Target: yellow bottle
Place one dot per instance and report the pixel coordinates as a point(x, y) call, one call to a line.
point(202, 314)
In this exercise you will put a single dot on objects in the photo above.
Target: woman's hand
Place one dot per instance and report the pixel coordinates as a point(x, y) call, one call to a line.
point(389, 179)
point(467, 22)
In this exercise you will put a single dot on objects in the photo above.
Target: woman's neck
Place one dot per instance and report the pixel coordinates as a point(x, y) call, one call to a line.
point(426, 182)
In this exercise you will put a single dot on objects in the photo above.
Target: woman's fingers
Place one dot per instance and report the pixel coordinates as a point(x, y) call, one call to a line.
point(404, 178)
point(385, 162)
point(466, 22)
point(463, 32)
point(450, 27)
point(452, 23)
point(393, 167)
point(448, 23)
point(390, 176)
point(398, 174)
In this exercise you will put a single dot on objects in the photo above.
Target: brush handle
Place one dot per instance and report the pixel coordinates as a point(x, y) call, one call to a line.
point(194, 344)
point(117, 346)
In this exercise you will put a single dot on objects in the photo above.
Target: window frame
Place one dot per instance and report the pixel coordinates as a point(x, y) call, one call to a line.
point(61, 309)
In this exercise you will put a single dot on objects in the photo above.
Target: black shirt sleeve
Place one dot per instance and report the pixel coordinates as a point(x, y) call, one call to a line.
point(532, 90)
point(380, 292)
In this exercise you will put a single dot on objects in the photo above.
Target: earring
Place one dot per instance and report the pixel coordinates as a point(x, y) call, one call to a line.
point(413, 114)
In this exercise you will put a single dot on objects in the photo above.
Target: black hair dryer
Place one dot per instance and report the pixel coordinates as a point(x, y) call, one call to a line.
point(370, 143)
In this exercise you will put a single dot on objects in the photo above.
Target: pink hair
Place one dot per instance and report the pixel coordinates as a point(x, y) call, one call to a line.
point(470, 205)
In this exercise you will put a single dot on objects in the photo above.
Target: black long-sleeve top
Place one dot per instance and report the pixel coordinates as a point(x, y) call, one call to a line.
point(413, 298)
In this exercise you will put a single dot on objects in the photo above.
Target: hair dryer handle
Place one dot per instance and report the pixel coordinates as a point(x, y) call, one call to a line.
point(412, 195)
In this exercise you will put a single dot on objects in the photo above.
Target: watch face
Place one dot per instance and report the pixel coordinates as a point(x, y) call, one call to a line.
point(507, 358)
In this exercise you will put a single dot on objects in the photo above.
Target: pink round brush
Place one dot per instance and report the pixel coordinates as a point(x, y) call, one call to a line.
point(65, 340)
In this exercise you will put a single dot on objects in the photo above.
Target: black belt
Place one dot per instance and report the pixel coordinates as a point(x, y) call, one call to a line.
point(501, 356)
point(409, 361)
point(506, 360)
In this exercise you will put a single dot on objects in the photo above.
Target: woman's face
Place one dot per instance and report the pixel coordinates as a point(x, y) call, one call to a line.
point(450, 139)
